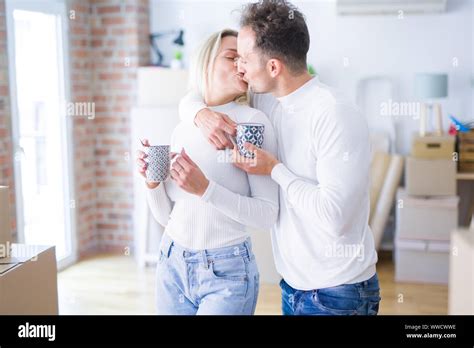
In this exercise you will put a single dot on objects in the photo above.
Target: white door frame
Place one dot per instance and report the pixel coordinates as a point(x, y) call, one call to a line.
point(57, 7)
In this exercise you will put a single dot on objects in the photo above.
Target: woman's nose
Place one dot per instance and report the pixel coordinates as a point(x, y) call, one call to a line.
point(240, 69)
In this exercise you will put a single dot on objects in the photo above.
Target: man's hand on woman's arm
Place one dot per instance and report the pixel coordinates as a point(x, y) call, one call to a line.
point(216, 127)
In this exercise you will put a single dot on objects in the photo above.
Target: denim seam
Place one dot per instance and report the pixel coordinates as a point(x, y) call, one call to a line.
point(193, 298)
point(247, 278)
point(255, 292)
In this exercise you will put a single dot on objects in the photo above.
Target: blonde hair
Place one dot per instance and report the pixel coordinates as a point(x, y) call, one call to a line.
point(202, 64)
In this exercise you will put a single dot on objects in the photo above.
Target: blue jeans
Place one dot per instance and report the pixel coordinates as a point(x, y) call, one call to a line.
point(348, 299)
point(221, 281)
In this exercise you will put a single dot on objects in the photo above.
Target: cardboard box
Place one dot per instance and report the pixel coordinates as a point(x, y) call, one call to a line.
point(430, 177)
point(433, 146)
point(5, 228)
point(466, 151)
point(418, 261)
point(425, 218)
point(461, 273)
point(28, 281)
point(466, 167)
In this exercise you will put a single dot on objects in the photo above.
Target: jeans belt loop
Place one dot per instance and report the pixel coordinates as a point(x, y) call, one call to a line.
point(168, 248)
point(205, 259)
point(248, 246)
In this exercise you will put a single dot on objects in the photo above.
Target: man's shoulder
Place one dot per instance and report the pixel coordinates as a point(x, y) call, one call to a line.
point(327, 101)
point(327, 96)
point(332, 109)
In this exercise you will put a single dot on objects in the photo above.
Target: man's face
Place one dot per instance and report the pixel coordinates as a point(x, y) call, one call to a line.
point(251, 64)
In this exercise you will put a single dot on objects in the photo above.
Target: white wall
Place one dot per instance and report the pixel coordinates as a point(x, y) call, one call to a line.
point(373, 45)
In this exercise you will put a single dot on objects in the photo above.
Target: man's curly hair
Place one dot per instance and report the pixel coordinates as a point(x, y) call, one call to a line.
point(280, 31)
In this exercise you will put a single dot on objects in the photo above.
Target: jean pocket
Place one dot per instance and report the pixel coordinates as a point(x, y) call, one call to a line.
point(373, 307)
point(334, 302)
point(232, 269)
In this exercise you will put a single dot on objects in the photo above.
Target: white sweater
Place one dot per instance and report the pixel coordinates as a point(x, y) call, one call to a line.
point(322, 238)
point(233, 200)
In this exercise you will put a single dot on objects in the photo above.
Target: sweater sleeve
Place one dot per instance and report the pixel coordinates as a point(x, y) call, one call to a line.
point(190, 105)
point(159, 203)
point(342, 148)
point(260, 210)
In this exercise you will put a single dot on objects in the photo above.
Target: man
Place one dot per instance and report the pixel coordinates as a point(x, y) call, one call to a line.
point(322, 244)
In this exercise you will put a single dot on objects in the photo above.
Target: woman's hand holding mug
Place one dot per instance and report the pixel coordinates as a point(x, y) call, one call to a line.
point(142, 164)
point(187, 174)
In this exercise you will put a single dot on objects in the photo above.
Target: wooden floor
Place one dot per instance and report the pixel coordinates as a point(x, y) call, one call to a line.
point(110, 284)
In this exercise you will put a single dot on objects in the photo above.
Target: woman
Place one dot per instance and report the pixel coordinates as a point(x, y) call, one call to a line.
point(206, 264)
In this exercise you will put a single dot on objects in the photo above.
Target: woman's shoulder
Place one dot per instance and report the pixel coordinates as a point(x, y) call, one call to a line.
point(182, 130)
point(245, 113)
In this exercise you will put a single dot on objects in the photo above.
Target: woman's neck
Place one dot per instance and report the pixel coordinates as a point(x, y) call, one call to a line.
point(214, 98)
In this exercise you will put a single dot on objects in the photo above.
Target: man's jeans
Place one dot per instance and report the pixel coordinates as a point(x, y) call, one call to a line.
point(221, 281)
point(348, 299)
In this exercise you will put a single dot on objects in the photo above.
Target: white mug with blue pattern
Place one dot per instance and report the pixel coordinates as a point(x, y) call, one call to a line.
point(158, 158)
point(250, 133)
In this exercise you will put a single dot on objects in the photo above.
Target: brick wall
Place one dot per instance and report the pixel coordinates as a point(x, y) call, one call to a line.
point(108, 40)
point(6, 151)
point(119, 44)
point(83, 127)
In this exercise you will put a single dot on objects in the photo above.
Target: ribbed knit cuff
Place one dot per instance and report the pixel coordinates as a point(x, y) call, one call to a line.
point(209, 191)
point(282, 176)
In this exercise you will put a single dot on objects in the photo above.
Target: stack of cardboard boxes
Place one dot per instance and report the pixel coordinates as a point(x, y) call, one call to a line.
point(427, 211)
point(461, 273)
point(28, 273)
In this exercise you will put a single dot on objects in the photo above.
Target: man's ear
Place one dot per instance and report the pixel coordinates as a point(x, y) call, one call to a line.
point(275, 67)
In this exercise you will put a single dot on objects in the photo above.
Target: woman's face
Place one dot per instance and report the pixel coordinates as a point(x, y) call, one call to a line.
point(225, 78)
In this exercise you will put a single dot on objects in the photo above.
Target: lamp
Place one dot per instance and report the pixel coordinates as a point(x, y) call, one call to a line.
point(155, 36)
point(429, 87)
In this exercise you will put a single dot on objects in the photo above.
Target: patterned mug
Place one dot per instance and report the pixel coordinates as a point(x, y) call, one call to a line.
point(158, 158)
point(250, 133)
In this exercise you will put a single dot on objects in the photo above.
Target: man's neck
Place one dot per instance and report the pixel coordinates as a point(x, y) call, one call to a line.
point(288, 84)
